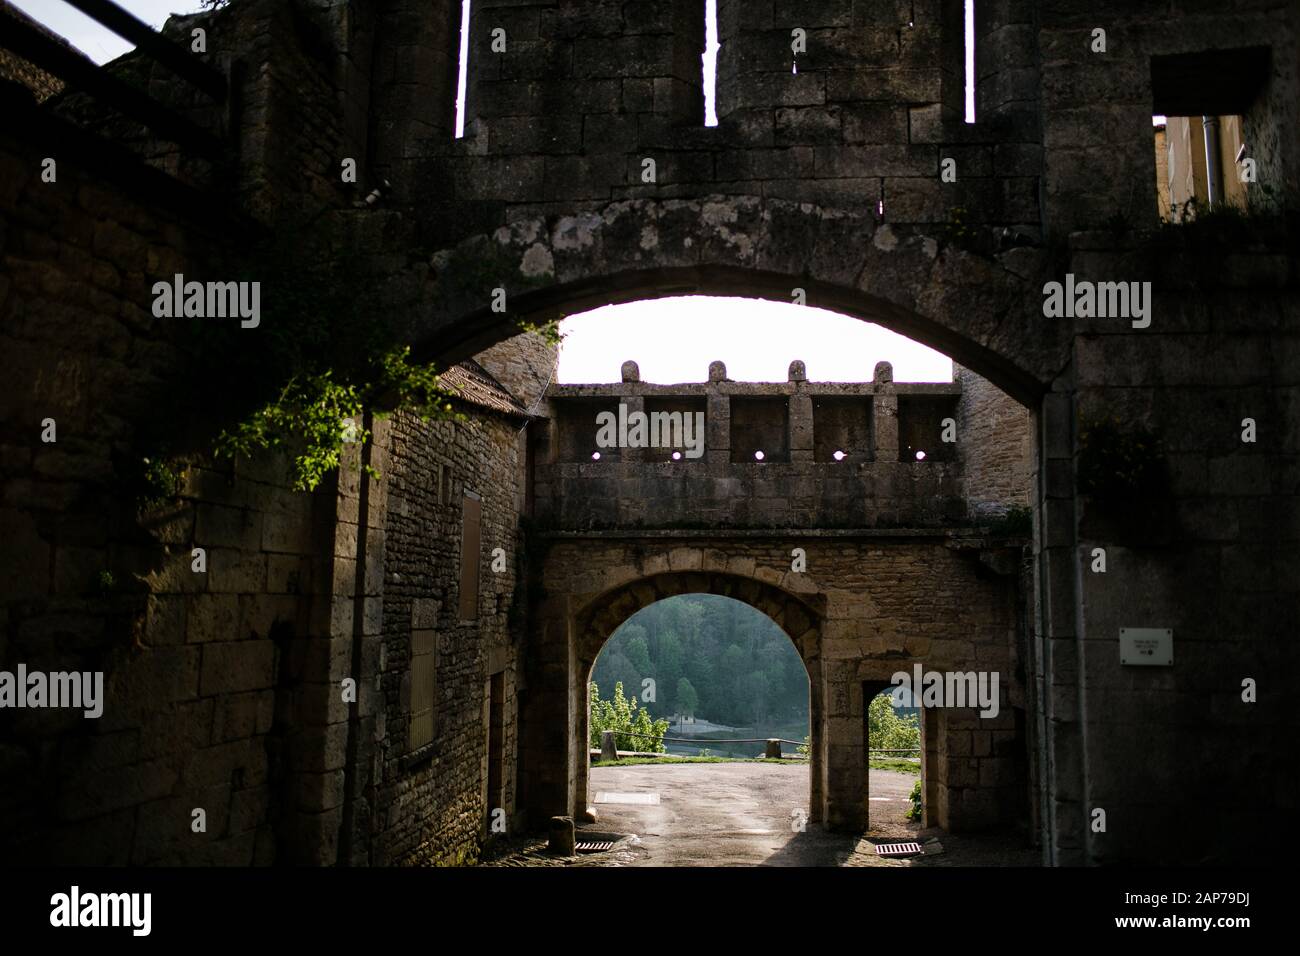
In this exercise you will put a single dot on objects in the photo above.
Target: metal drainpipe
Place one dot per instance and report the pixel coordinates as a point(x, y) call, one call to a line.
point(1213, 185)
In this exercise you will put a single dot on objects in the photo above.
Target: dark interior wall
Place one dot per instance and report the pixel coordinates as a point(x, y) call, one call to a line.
point(844, 425)
point(760, 424)
point(921, 428)
point(202, 668)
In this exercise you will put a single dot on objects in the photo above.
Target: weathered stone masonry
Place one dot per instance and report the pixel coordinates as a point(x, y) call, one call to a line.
point(543, 197)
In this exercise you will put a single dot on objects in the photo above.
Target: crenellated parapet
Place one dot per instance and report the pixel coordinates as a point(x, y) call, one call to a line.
point(797, 453)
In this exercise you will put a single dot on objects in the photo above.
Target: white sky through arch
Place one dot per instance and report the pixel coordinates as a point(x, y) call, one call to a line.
point(674, 339)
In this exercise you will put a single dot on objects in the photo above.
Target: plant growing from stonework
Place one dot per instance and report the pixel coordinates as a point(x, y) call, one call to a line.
point(320, 358)
point(321, 415)
point(549, 331)
point(914, 811)
point(958, 231)
point(157, 480)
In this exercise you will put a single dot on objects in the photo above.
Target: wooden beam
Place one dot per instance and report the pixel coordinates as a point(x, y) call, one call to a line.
point(75, 69)
point(169, 54)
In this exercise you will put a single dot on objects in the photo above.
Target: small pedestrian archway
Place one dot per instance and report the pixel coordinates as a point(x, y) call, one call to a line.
point(798, 616)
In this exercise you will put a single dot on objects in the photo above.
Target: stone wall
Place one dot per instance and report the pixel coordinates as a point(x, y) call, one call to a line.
point(995, 447)
point(869, 604)
point(193, 662)
point(544, 197)
point(1097, 107)
point(1209, 549)
point(429, 803)
point(797, 484)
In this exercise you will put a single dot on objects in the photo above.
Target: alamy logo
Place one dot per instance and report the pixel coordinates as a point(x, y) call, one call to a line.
point(103, 909)
point(208, 300)
point(951, 688)
point(655, 430)
point(58, 689)
point(1102, 300)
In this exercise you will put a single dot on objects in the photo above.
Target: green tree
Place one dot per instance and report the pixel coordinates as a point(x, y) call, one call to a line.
point(634, 728)
point(668, 671)
point(889, 731)
point(756, 693)
point(687, 699)
point(638, 652)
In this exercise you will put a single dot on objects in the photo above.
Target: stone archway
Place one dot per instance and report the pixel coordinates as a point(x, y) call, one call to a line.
point(798, 616)
point(986, 313)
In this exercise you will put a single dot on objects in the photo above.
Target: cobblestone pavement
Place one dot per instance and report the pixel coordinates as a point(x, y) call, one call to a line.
point(747, 814)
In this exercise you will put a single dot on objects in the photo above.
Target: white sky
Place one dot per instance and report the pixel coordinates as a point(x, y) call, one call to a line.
point(98, 42)
point(673, 340)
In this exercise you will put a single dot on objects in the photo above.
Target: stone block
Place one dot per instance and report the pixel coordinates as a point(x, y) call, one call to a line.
point(237, 666)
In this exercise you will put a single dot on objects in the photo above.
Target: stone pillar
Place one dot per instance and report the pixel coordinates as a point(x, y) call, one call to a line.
point(884, 409)
point(717, 420)
point(636, 403)
point(843, 730)
point(550, 721)
point(817, 743)
point(608, 749)
point(582, 740)
point(800, 421)
point(1056, 642)
point(560, 836)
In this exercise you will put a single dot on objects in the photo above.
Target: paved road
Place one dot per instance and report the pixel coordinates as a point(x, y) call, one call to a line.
point(739, 814)
point(735, 814)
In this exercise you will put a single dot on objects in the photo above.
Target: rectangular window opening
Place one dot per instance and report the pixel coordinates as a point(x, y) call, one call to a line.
point(1201, 164)
point(710, 62)
point(471, 525)
point(424, 687)
point(462, 71)
point(1213, 127)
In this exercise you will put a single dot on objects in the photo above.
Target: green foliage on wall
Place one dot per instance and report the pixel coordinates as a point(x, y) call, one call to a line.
point(320, 355)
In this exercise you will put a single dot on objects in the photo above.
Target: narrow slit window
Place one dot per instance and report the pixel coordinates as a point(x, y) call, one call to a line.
point(469, 556)
point(970, 61)
point(462, 69)
point(424, 687)
point(710, 62)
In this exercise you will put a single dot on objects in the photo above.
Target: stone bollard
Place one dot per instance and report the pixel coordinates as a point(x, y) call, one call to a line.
point(560, 839)
point(608, 751)
point(773, 750)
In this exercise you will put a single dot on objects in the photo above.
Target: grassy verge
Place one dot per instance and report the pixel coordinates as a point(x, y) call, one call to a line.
point(896, 764)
